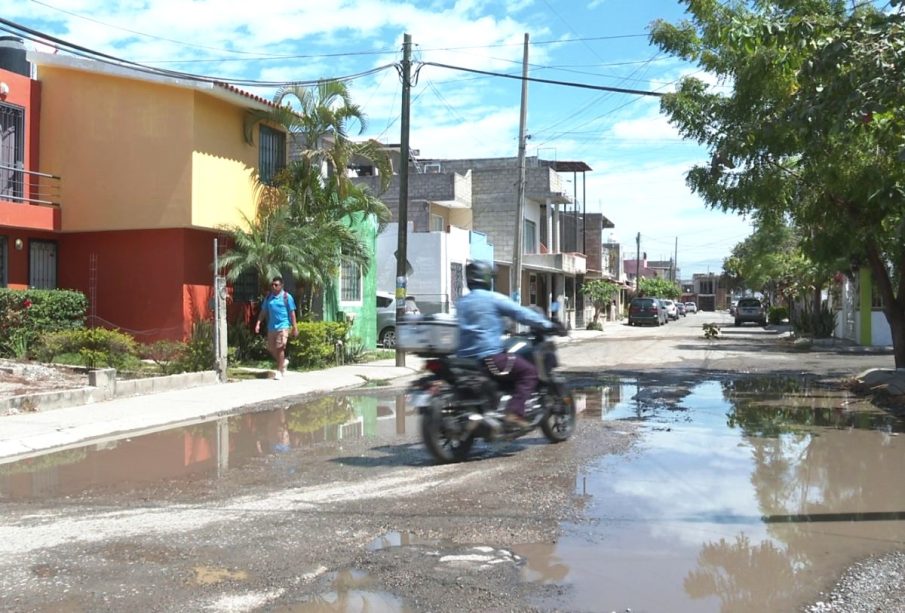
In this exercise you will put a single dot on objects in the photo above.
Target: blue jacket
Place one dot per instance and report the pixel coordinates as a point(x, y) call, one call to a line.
point(480, 314)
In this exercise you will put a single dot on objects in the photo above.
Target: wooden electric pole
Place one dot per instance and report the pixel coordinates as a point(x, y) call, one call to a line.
point(402, 232)
point(515, 275)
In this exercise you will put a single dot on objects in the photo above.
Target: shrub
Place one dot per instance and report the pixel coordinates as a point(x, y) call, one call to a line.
point(166, 354)
point(777, 315)
point(315, 345)
point(244, 344)
point(25, 315)
point(199, 351)
point(95, 346)
point(819, 324)
point(595, 325)
point(353, 351)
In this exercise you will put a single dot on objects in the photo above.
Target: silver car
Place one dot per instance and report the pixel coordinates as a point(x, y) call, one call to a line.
point(386, 319)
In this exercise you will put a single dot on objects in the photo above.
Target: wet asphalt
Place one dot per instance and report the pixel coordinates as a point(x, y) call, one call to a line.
point(364, 523)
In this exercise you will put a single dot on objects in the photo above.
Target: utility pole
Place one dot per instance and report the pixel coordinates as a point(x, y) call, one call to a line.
point(675, 262)
point(637, 261)
point(402, 232)
point(515, 275)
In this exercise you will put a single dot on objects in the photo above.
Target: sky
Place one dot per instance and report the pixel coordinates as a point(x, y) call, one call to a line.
point(638, 160)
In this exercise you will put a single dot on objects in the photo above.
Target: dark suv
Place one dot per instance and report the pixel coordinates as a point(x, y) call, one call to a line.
point(750, 309)
point(646, 310)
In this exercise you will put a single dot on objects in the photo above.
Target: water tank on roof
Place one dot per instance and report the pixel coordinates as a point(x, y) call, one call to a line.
point(12, 55)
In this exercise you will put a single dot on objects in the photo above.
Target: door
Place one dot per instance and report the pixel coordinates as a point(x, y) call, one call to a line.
point(42, 264)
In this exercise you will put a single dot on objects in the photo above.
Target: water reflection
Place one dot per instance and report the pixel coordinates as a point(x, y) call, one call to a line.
point(755, 497)
point(350, 593)
point(203, 449)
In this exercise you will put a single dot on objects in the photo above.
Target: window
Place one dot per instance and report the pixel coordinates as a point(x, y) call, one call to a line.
point(245, 287)
point(12, 147)
point(706, 287)
point(383, 302)
point(530, 237)
point(272, 154)
point(350, 282)
point(437, 224)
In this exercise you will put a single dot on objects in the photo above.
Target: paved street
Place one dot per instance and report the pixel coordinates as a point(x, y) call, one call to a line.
point(362, 523)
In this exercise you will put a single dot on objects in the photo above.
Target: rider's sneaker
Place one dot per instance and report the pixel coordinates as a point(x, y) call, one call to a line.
point(517, 421)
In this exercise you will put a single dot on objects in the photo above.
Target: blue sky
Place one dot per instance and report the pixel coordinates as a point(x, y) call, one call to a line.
point(638, 160)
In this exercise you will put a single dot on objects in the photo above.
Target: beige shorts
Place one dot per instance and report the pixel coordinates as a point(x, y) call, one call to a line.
point(277, 339)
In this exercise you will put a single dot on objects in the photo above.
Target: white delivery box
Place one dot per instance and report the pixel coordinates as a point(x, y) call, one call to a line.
point(431, 335)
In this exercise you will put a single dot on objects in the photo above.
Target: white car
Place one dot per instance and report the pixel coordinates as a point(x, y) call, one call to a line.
point(691, 307)
point(672, 311)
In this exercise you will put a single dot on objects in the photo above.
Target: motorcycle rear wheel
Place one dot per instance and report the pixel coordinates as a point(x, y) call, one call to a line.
point(559, 422)
point(444, 448)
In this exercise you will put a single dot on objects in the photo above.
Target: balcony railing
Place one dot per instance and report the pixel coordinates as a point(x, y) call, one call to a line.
point(29, 187)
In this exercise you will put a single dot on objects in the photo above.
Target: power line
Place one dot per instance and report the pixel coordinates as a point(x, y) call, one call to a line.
point(604, 88)
point(78, 50)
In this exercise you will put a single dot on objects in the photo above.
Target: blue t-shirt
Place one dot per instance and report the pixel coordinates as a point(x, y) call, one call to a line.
point(480, 314)
point(277, 313)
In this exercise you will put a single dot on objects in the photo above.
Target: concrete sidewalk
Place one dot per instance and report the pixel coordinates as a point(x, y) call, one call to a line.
point(30, 434)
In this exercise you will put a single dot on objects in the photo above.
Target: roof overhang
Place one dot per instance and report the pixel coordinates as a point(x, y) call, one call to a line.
point(223, 91)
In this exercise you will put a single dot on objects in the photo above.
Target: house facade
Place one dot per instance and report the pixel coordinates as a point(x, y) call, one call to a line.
point(440, 235)
point(158, 167)
point(549, 271)
point(30, 197)
point(859, 310)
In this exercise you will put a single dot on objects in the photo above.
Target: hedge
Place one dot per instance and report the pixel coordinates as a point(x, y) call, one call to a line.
point(315, 345)
point(27, 314)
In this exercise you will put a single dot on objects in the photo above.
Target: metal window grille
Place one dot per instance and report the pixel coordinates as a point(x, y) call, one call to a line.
point(245, 288)
point(272, 154)
point(350, 282)
point(12, 148)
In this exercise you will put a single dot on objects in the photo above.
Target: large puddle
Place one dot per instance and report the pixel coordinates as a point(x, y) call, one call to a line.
point(743, 494)
point(203, 449)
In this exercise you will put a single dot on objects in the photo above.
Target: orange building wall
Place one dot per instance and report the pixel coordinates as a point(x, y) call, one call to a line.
point(122, 146)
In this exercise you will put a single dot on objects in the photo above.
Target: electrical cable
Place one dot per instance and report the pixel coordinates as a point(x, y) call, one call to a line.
point(604, 88)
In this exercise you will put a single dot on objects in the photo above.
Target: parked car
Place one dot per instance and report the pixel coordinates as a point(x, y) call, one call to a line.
point(646, 311)
point(681, 307)
point(691, 307)
point(750, 309)
point(386, 319)
point(672, 311)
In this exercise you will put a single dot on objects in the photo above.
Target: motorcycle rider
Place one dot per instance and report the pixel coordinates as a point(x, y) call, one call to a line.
point(480, 314)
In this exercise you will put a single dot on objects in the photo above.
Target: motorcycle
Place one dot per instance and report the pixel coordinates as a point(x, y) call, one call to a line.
point(460, 400)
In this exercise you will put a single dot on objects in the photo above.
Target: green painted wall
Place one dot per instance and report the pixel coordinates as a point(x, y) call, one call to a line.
point(364, 328)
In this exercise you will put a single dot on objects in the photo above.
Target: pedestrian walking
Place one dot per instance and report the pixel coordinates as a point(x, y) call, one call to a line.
point(278, 309)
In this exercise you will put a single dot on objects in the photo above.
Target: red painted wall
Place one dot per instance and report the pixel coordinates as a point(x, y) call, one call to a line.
point(150, 283)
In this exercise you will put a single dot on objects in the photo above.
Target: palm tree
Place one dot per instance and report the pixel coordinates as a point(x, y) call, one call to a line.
point(267, 245)
point(317, 203)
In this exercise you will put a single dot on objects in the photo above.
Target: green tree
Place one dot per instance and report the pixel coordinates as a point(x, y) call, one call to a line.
point(658, 287)
point(808, 122)
point(269, 244)
point(600, 293)
point(305, 221)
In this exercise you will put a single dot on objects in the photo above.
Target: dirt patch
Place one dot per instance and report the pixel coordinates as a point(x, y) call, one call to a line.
point(21, 378)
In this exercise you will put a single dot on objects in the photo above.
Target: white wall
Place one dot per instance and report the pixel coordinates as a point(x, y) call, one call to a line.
point(430, 254)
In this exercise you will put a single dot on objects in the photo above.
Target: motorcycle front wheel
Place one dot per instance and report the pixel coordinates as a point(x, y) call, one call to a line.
point(441, 435)
point(559, 413)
